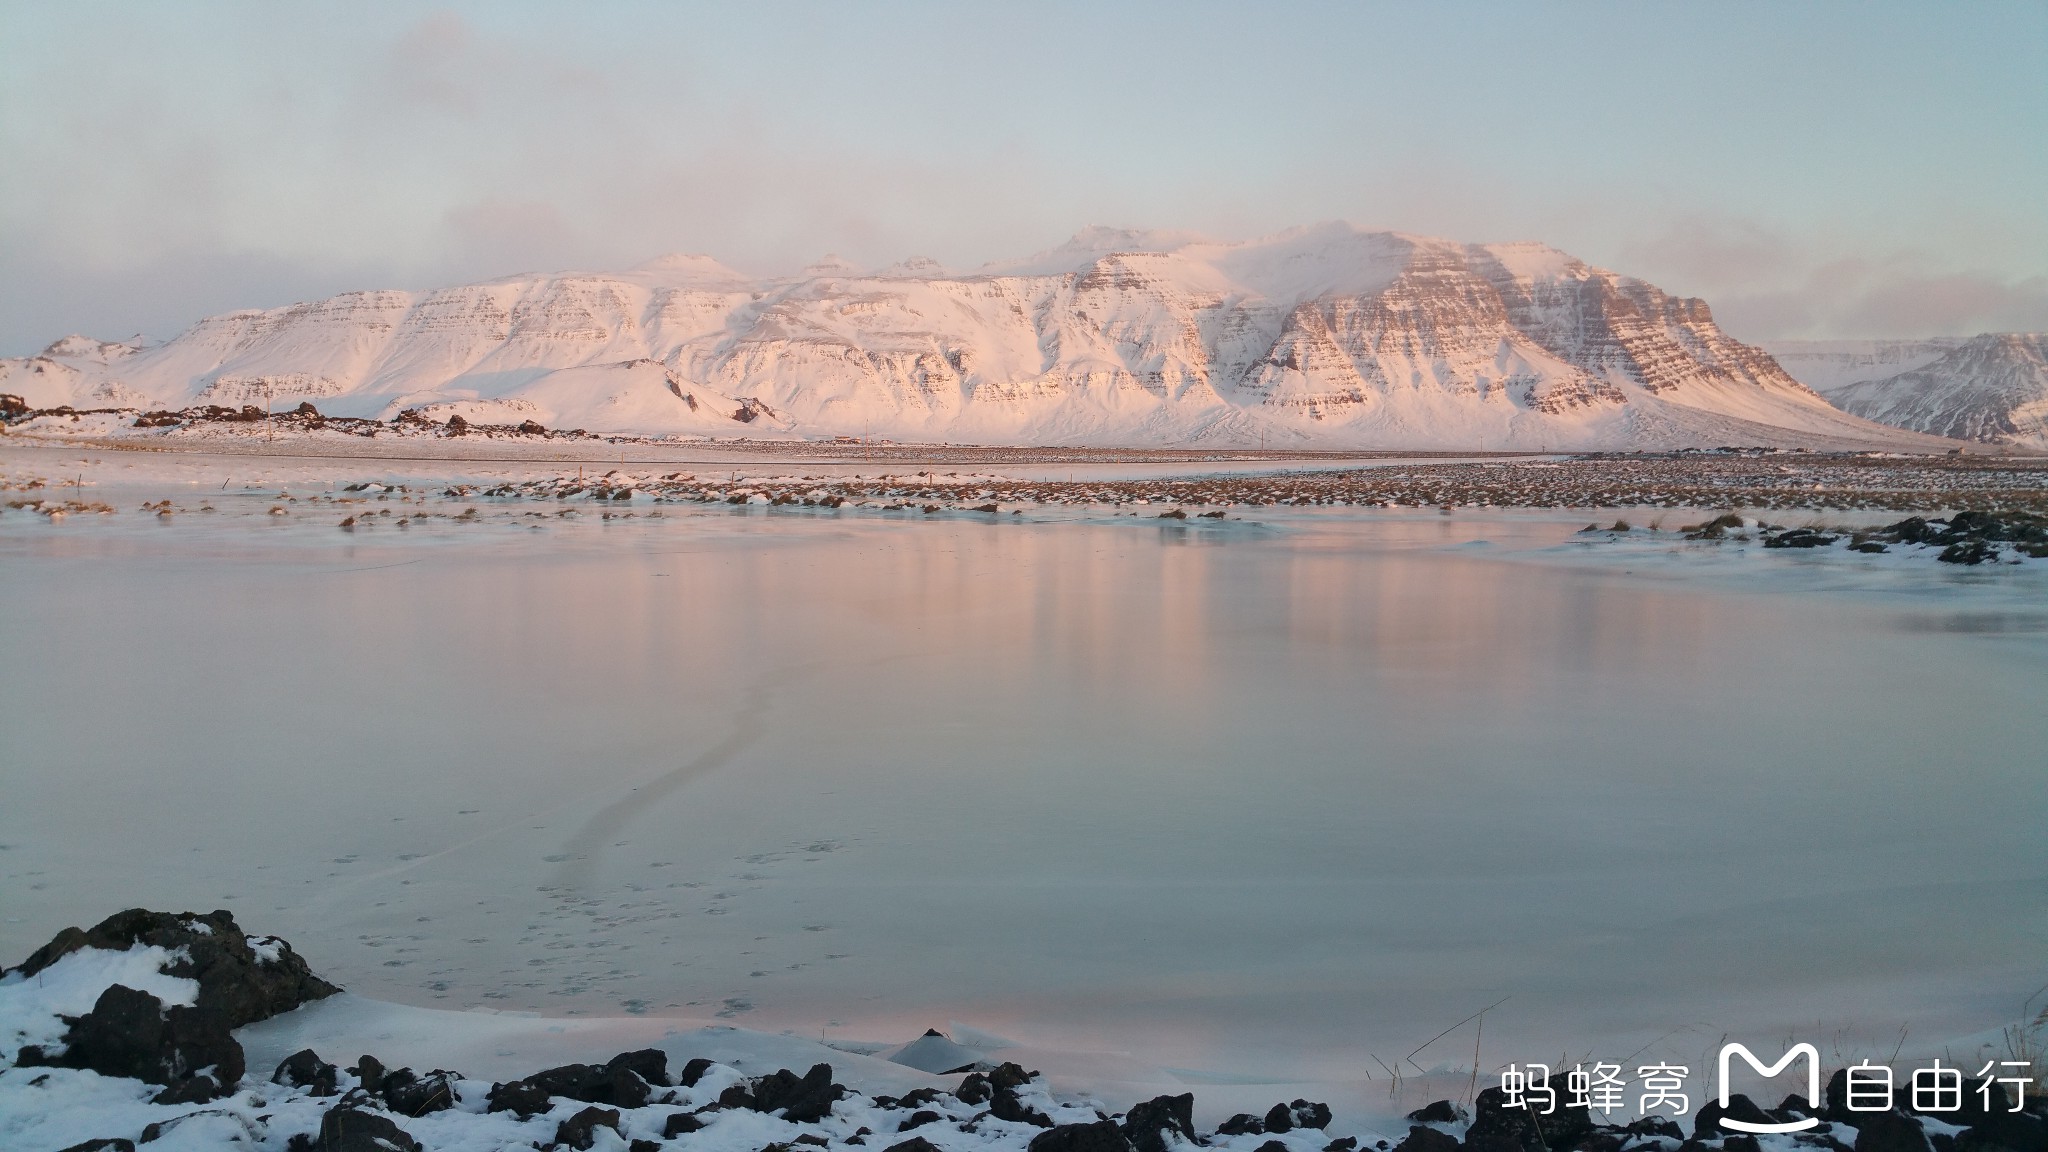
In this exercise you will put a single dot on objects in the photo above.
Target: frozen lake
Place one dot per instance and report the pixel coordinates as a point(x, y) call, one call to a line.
point(1258, 801)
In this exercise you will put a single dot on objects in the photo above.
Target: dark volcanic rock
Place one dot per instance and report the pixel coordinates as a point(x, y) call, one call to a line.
point(914, 1144)
point(615, 1082)
point(305, 1069)
point(1656, 1126)
point(1889, 1132)
point(1706, 1123)
point(409, 1094)
point(1005, 1104)
point(1969, 552)
point(802, 1099)
point(1799, 538)
point(243, 978)
point(650, 1064)
point(522, 1098)
point(1498, 1128)
point(1421, 1139)
point(1148, 1123)
point(1101, 1136)
point(197, 1090)
point(680, 1124)
point(131, 1033)
point(2003, 1128)
point(1242, 1124)
point(1435, 1112)
point(693, 1072)
point(973, 1089)
point(369, 1074)
point(1302, 1114)
point(1602, 1140)
point(1009, 1075)
point(354, 1130)
point(580, 1131)
point(103, 1144)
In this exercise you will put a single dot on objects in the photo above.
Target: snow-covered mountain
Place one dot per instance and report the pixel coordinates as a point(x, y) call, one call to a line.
point(1825, 365)
point(1321, 335)
point(1991, 388)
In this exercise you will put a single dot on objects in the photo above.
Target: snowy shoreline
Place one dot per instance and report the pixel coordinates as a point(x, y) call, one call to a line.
point(157, 1028)
point(1022, 481)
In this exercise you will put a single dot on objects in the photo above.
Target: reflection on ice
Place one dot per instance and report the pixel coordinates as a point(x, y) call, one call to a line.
point(1264, 808)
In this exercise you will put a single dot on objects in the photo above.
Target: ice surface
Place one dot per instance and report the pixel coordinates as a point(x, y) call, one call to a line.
point(1247, 802)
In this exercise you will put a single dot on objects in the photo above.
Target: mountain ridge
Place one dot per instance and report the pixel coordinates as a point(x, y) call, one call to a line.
point(1324, 335)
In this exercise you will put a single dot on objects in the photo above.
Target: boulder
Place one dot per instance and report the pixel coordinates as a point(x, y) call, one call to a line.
point(243, 978)
point(618, 1082)
point(1101, 1136)
point(650, 1064)
point(103, 1144)
point(1005, 1104)
point(1498, 1128)
point(130, 1033)
point(355, 1130)
point(197, 1090)
point(369, 1074)
point(1156, 1123)
point(522, 1098)
point(410, 1094)
point(1706, 1122)
point(1892, 1131)
point(580, 1131)
point(914, 1144)
point(1799, 538)
point(305, 1069)
point(1242, 1124)
point(1969, 552)
point(2015, 1131)
point(1436, 1112)
point(1422, 1139)
point(804, 1099)
point(1656, 1126)
point(1298, 1114)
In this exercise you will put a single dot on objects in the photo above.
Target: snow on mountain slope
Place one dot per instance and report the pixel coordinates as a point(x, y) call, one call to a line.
point(1325, 335)
point(1825, 365)
point(1992, 388)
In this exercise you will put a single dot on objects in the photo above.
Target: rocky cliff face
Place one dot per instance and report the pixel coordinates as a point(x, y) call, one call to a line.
point(1991, 388)
point(1324, 335)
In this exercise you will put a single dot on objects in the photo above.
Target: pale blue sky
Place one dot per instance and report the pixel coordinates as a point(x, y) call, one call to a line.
point(1811, 169)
